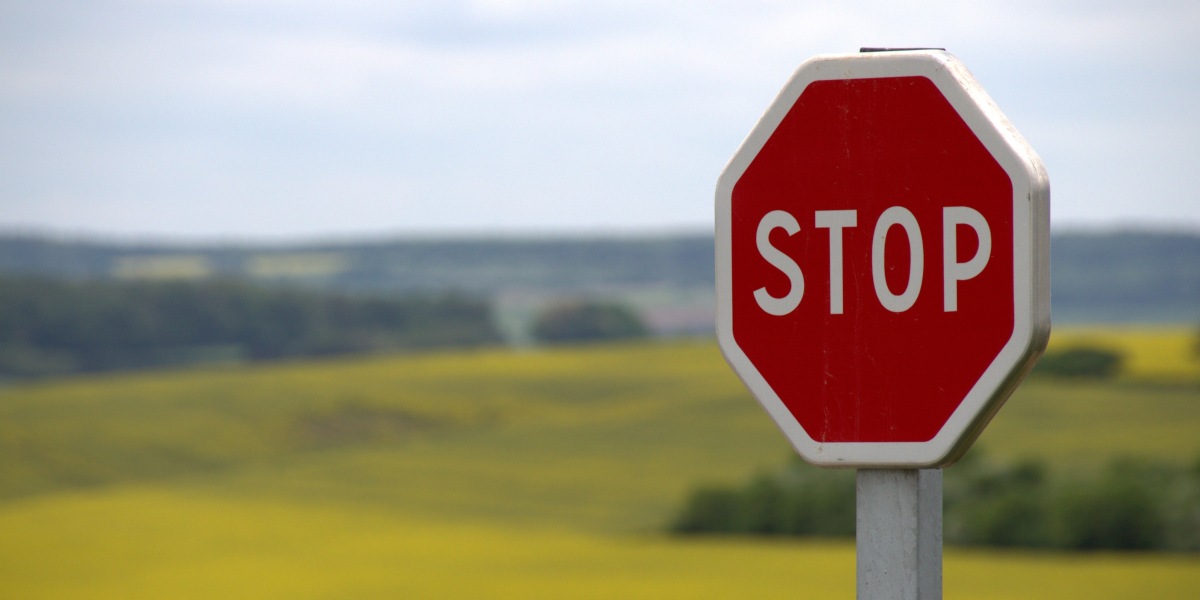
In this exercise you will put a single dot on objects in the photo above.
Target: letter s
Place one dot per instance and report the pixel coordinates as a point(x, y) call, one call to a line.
point(770, 304)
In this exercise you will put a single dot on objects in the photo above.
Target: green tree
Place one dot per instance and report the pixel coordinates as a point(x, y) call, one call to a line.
point(997, 506)
point(1121, 511)
point(587, 321)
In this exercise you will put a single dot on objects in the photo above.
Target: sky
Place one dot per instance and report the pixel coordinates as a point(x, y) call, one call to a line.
point(218, 120)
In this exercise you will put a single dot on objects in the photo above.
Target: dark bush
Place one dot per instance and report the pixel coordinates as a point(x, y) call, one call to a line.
point(821, 502)
point(800, 500)
point(1081, 362)
point(708, 510)
point(587, 321)
point(762, 507)
point(1122, 510)
point(992, 506)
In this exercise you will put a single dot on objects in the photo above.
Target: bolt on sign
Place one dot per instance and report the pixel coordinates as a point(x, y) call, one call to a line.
point(882, 246)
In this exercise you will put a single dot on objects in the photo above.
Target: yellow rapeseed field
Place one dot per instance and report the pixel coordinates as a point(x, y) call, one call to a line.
point(1159, 353)
point(495, 474)
point(140, 542)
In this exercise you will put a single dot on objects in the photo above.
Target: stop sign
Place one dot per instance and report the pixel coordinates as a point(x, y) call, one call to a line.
point(882, 243)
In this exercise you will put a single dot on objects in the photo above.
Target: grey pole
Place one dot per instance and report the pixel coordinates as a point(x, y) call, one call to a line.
point(899, 534)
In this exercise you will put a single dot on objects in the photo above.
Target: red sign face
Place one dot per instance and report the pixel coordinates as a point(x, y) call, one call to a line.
point(878, 258)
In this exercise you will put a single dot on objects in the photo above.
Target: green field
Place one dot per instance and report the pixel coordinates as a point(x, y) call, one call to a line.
point(498, 474)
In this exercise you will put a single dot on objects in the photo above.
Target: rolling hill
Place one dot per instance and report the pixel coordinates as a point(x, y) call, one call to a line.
point(491, 472)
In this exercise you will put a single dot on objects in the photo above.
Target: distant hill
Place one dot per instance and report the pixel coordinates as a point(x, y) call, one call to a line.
point(1127, 276)
point(465, 265)
point(1102, 277)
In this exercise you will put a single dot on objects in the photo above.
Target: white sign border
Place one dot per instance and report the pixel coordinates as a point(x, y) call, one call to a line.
point(1031, 259)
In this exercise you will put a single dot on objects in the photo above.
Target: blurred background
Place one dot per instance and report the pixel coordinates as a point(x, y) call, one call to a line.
point(349, 299)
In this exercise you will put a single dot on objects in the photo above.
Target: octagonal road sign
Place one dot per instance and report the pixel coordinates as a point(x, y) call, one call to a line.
point(882, 250)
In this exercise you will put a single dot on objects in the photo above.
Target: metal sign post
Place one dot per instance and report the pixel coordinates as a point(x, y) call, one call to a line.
point(898, 532)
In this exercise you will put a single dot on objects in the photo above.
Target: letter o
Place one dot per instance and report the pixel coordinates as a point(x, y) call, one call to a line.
point(897, 215)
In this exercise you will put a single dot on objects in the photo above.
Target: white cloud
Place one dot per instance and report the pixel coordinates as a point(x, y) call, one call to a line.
point(531, 113)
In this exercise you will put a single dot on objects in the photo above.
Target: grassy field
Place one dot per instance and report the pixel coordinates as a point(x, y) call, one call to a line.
point(498, 474)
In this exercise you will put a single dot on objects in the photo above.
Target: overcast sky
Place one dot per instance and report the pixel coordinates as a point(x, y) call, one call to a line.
point(262, 119)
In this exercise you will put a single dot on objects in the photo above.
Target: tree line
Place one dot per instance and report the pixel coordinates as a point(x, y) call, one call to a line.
point(1130, 505)
point(1097, 277)
point(53, 327)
